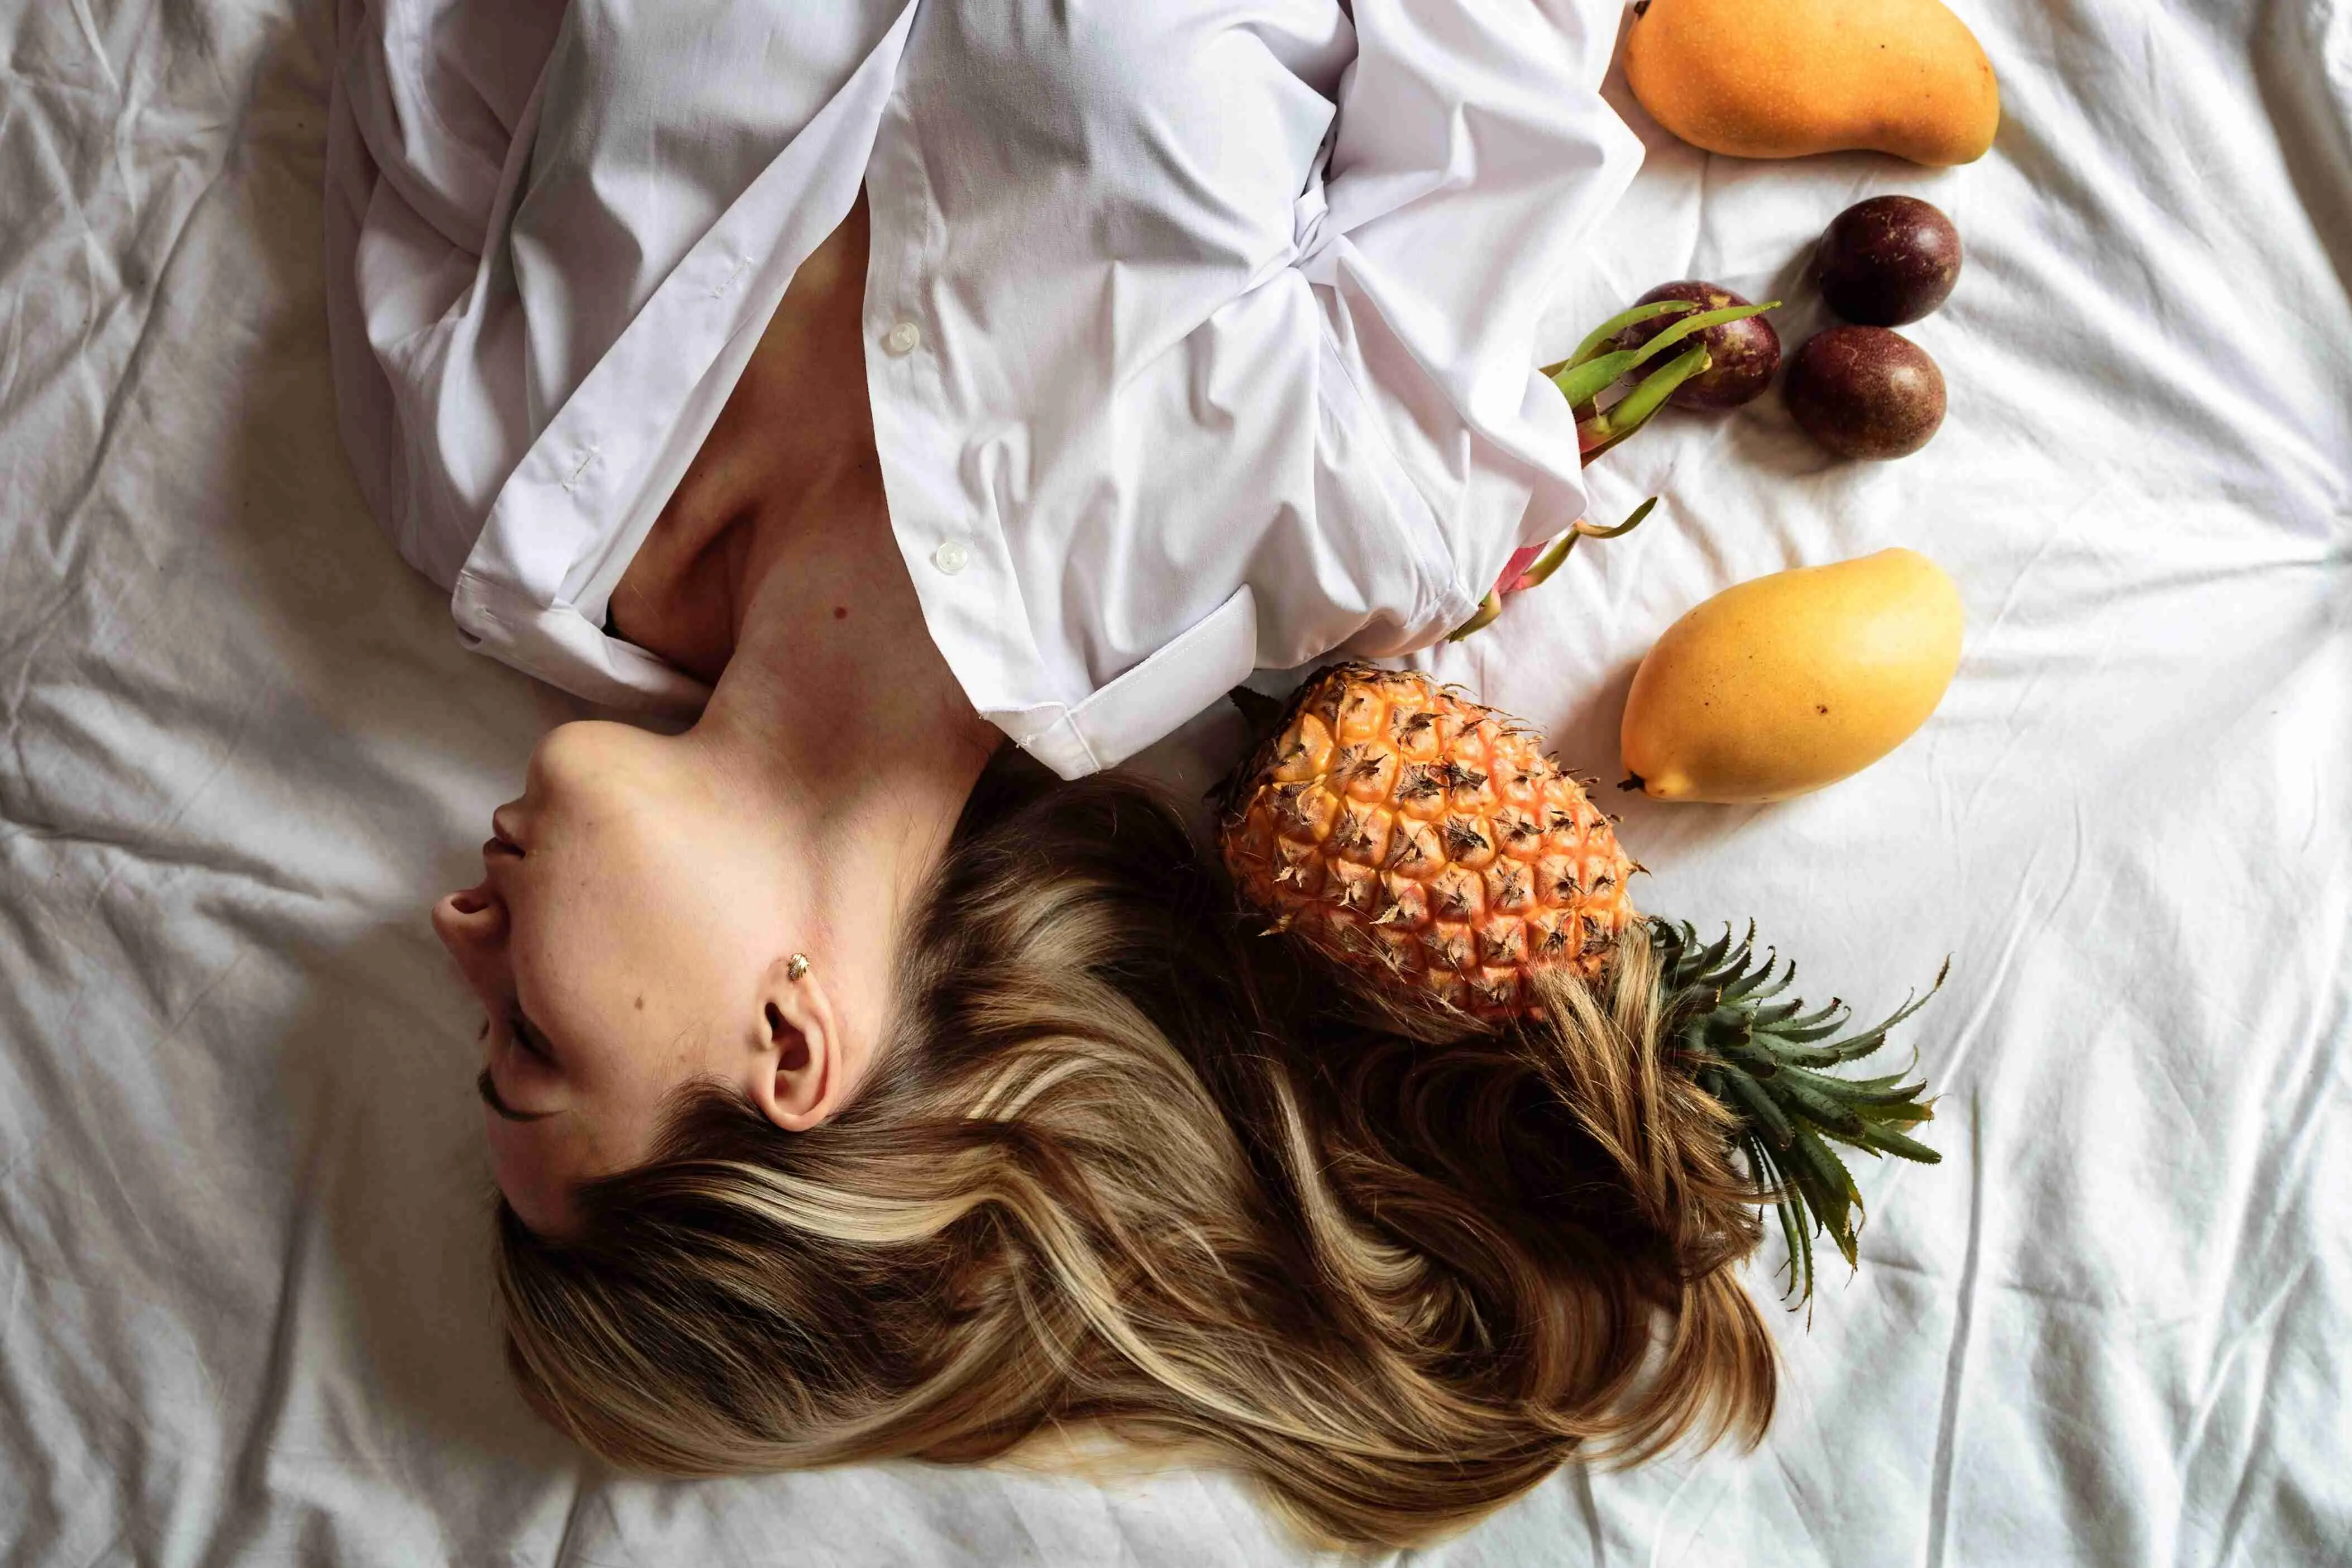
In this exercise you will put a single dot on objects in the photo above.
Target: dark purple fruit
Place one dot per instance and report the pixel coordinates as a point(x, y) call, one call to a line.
point(1887, 261)
point(1745, 354)
point(1864, 391)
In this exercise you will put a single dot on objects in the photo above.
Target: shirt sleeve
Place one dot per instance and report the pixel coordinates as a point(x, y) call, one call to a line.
point(427, 100)
point(1202, 334)
point(1471, 156)
point(434, 90)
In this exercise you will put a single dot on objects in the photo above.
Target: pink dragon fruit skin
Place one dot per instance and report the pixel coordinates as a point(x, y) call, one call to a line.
point(1522, 559)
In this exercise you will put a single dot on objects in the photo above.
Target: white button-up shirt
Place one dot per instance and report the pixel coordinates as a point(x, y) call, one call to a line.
point(1201, 332)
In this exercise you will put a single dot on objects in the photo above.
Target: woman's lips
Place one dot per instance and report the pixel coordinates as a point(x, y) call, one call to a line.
point(502, 840)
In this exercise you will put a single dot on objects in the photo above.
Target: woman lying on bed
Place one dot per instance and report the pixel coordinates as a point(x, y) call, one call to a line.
point(881, 382)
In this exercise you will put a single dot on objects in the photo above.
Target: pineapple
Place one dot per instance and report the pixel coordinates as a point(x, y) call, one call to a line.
point(1403, 830)
point(1426, 844)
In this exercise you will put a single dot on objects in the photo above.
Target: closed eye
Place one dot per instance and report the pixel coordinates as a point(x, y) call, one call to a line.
point(526, 1034)
point(487, 1088)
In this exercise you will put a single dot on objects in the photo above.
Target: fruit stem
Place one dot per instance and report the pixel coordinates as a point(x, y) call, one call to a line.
point(1488, 608)
point(1602, 336)
point(1585, 379)
point(1638, 407)
point(1549, 562)
point(1585, 530)
point(1536, 575)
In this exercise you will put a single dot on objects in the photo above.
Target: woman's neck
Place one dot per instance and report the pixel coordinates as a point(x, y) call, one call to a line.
point(838, 714)
point(773, 573)
point(841, 746)
point(834, 680)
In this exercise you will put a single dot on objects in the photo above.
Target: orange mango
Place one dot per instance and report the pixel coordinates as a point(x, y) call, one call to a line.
point(1787, 77)
point(1782, 684)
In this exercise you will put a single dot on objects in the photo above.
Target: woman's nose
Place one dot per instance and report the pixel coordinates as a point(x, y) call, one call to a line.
point(472, 924)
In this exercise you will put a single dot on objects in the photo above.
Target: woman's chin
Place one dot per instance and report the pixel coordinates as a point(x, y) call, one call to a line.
point(528, 1188)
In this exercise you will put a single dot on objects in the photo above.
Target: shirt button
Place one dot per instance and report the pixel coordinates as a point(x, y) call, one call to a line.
point(952, 557)
point(903, 339)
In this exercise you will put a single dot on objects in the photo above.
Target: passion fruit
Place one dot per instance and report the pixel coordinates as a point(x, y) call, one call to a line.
point(1865, 392)
point(1887, 261)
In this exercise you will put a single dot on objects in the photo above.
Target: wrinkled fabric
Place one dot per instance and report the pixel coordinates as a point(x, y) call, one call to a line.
point(245, 1306)
point(1199, 335)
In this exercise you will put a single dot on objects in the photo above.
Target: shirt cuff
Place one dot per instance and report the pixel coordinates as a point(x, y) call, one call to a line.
point(1216, 654)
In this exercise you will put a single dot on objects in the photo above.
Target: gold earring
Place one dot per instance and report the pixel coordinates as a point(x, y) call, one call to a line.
point(796, 967)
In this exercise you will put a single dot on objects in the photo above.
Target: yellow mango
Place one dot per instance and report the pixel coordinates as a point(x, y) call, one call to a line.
point(1782, 684)
point(1781, 78)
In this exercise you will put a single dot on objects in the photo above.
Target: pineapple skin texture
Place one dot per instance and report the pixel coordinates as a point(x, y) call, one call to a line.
point(1425, 842)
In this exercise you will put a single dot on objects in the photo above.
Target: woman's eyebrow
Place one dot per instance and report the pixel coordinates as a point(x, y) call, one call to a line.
point(488, 1088)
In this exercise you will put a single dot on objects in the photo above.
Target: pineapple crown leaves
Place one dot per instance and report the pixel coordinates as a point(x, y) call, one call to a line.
point(1765, 1060)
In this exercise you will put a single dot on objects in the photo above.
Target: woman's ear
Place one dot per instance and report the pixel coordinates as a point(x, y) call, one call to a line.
point(802, 1076)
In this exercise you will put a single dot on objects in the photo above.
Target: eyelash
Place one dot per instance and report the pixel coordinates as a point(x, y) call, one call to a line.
point(521, 1035)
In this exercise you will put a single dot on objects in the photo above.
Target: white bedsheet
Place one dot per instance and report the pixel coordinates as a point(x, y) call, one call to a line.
point(244, 1308)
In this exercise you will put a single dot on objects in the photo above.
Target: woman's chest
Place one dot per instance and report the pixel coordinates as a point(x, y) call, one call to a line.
point(793, 450)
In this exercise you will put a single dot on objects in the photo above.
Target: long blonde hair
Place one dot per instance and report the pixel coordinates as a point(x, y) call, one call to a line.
point(1127, 1168)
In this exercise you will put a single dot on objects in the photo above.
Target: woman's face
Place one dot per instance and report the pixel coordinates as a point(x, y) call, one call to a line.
point(632, 930)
